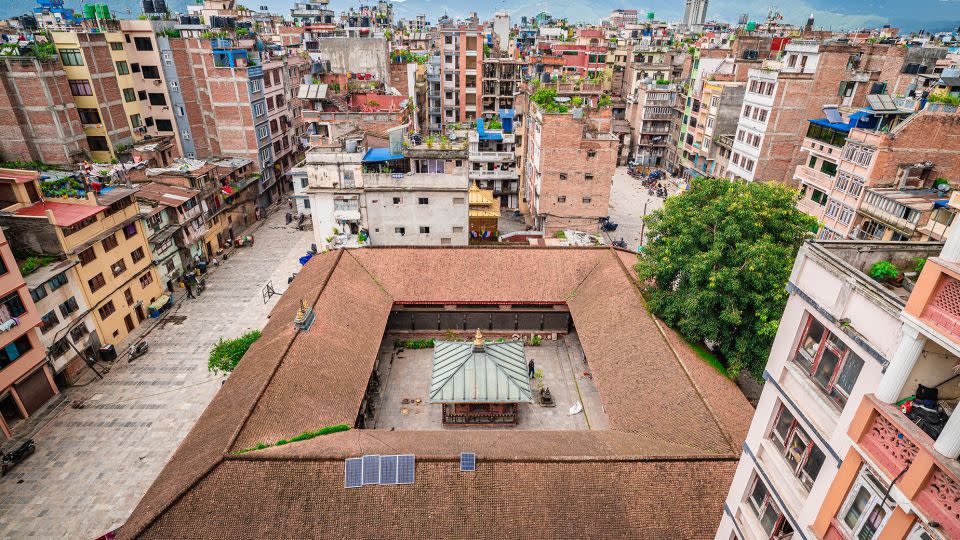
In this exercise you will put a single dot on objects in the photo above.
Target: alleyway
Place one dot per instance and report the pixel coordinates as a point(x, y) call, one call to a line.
point(94, 463)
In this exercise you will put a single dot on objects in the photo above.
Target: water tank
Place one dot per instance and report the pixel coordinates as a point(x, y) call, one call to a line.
point(89, 11)
point(103, 11)
point(751, 26)
point(350, 145)
point(650, 15)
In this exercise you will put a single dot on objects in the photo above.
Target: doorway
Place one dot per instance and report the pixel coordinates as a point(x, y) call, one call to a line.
point(128, 320)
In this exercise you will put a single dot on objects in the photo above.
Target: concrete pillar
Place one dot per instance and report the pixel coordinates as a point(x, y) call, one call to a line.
point(901, 365)
point(948, 443)
point(951, 249)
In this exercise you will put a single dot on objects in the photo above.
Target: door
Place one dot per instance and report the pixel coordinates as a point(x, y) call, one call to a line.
point(128, 320)
point(140, 314)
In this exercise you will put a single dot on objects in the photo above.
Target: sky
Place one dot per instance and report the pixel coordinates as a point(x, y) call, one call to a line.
point(933, 15)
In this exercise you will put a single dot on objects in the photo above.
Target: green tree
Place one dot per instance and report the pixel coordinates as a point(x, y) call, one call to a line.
point(719, 257)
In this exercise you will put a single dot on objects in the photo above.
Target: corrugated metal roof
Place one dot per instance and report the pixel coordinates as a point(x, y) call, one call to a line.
point(498, 374)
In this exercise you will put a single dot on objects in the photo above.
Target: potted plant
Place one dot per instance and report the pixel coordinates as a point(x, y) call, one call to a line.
point(910, 278)
point(885, 272)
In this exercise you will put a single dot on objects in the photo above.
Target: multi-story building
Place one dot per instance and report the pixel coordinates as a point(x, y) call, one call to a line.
point(650, 113)
point(311, 13)
point(881, 173)
point(173, 219)
point(621, 17)
point(100, 79)
point(103, 234)
point(38, 116)
point(501, 83)
point(570, 158)
point(856, 435)
point(26, 381)
point(782, 95)
point(461, 72)
point(694, 14)
point(493, 160)
point(714, 115)
point(417, 196)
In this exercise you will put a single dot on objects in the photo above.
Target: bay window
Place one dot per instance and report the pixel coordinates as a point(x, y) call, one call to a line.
point(828, 361)
point(771, 518)
point(865, 511)
point(796, 447)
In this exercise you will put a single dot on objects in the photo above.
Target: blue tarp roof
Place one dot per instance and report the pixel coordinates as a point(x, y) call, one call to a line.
point(842, 126)
point(506, 113)
point(380, 154)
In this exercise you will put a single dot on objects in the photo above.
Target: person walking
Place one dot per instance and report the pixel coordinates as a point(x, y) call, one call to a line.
point(189, 287)
point(531, 368)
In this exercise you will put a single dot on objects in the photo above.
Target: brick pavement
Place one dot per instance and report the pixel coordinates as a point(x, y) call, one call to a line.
point(94, 463)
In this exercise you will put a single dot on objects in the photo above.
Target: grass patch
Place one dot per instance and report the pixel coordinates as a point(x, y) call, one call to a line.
point(301, 437)
point(709, 358)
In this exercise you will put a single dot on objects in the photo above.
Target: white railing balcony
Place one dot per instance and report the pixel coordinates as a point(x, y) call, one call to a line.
point(492, 175)
point(487, 157)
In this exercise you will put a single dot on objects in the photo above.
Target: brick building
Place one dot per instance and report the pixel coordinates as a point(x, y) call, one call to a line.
point(38, 118)
point(570, 161)
point(461, 72)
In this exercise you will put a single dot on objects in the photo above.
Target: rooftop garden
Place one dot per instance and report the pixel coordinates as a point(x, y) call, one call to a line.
point(65, 187)
point(404, 55)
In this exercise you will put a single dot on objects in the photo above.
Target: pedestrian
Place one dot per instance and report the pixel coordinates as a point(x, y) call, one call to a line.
point(170, 286)
point(531, 368)
point(190, 290)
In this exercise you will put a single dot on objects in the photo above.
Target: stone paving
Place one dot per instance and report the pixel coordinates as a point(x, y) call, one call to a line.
point(93, 464)
point(627, 198)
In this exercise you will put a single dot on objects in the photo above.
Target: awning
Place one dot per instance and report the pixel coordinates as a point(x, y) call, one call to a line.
point(380, 154)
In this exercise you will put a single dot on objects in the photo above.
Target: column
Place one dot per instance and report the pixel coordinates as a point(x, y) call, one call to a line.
point(948, 443)
point(951, 248)
point(901, 365)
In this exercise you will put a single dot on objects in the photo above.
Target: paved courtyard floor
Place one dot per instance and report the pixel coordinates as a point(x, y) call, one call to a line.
point(627, 200)
point(93, 464)
point(406, 376)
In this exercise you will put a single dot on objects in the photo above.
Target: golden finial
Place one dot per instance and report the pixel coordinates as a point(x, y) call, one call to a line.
point(478, 339)
point(302, 311)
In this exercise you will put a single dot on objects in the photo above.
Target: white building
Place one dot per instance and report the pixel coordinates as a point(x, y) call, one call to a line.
point(501, 28)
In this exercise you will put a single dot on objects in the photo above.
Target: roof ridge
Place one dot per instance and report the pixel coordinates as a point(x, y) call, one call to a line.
point(369, 273)
point(676, 354)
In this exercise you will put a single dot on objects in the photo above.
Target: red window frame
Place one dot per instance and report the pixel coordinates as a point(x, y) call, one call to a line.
point(818, 357)
point(777, 530)
point(799, 470)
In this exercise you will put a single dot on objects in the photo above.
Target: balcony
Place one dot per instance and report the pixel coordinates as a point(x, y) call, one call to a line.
point(902, 451)
point(487, 157)
point(492, 175)
point(882, 205)
point(936, 298)
point(814, 178)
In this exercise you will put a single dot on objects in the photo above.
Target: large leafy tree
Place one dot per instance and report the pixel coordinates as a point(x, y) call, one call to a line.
point(720, 255)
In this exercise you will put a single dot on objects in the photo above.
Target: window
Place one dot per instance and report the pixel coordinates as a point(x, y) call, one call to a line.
point(142, 95)
point(423, 200)
point(3, 267)
point(137, 255)
point(396, 200)
point(562, 199)
point(109, 242)
point(563, 176)
point(256, 85)
point(151, 72)
point(157, 99)
point(118, 267)
point(106, 310)
point(174, 85)
point(863, 513)
point(38, 293)
point(135, 120)
point(259, 110)
point(168, 58)
point(304, 182)
point(71, 57)
point(586, 200)
point(87, 256)
point(828, 168)
point(89, 116)
point(819, 197)
point(828, 361)
point(78, 332)
point(11, 306)
point(804, 457)
point(587, 176)
point(135, 67)
point(591, 153)
point(57, 281)
point(14, 350)
point(771, 517)
point(122, 68)
point(80, 87)
point(164, 125)
point(146, 279)
point(424, 230)
point(143, 43)
point(96, 282)
point(48, 321)
point(69, 306)
point(400, 230)
point(263, 132)
point(128, 296)
point(459, 200)
point(457, 230)
point(116, 45)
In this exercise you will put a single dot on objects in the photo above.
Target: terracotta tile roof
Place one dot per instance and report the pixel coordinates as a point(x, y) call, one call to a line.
point(661, 471)
point(165, 194)
point(64, 214)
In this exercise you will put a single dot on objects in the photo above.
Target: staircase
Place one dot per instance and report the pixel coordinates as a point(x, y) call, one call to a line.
point(338, 101)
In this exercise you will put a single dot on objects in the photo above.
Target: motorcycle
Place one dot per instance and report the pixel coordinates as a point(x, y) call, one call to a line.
point(137, 350)
point(12, 458)
point(621, 243)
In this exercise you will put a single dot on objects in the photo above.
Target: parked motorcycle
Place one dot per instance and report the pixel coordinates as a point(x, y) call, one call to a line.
point(137, 350)
point(621, 243)
point(11, 459)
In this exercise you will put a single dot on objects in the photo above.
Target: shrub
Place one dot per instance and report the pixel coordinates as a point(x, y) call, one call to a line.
point(560, 234)
point(413, 343)
point(535, 340)
point(884, 271)
point(301, 437)
point(35, 261)
point(226, 354)
point(918, 263)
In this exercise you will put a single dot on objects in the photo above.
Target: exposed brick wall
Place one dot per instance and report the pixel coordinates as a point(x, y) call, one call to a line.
point(97, 57)
point(933, 137)
point(38, 119)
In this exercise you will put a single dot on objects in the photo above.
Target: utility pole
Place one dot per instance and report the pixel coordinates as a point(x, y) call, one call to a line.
point(643, 223)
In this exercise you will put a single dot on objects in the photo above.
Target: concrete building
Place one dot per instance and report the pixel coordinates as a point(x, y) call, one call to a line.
point(99, 75)
point(694, 14)
point(501, 83)
point(461, 72)
point(493, 158)
point(312, 13)
point(621, 17)
point(38, 116)
point(103, 234)
point(501, 29)
point(359, 196)
point(570, 161)
point(880, 174)
point(26, 381)
point(782, 95)
point(173, 219)
point(840, 331)
point(713, 118)
point(651, 114)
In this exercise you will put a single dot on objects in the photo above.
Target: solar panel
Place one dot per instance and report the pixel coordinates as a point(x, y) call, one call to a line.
point(468, 462)
point(388, 469)
point(352, 476)
point(405, 468)
point(371, 470)
point(833, 115)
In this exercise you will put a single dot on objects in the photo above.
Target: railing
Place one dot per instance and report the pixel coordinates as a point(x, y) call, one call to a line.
point(506, 175)
point(816, 178)
point(658, 116)
point(492, 156)
point(943, 309)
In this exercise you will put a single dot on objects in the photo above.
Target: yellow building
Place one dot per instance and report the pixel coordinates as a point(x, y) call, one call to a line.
point(484, 214)
point(99, 75)
point(102, 233)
